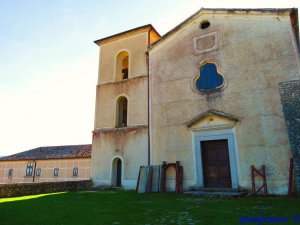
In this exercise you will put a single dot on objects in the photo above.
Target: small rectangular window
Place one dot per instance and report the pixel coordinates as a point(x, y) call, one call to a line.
point(29, 169)
point(10, 172)
point(38, 172)
point(75, 172)
point(56, 172)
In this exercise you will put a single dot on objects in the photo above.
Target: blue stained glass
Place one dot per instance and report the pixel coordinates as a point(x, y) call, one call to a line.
point(209, 78)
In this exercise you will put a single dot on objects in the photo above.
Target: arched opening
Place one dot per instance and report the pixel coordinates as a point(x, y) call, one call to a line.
point(204, 24)
point(121, 112)
point(116, 173)
point(122, 66)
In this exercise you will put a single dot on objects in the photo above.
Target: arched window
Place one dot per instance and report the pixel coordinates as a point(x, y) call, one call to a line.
point(122, 112)
point(122, 66)
point(209, 78)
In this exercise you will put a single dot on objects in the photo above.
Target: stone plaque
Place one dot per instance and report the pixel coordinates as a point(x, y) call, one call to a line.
point(206, 43)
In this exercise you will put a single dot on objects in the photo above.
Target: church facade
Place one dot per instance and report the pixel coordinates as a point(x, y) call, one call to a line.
point(207, 94)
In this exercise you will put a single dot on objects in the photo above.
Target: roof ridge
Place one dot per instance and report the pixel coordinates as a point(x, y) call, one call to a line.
point(60, 146)
point(126, 31)
point(52, 152)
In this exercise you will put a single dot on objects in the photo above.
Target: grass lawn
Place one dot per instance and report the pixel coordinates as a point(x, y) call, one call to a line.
point(121, 207)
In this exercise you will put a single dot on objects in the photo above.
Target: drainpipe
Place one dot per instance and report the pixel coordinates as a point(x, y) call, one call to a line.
point(33, 176)
point(148, 87)
point(147, 55)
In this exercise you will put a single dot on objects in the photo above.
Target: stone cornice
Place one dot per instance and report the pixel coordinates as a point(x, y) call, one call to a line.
point(119, 129)
point(122, 81)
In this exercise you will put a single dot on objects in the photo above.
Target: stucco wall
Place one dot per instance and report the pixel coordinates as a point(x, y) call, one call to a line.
point(135, 45)
point(254, 53)
point(47, 170)
point(129, 143)
point(135, 90)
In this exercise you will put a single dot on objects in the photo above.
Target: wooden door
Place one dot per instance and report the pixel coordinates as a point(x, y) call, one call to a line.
point(216, 166)
point(119, 173)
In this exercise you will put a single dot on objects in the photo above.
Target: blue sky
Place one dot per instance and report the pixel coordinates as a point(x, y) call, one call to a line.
point(49, 63)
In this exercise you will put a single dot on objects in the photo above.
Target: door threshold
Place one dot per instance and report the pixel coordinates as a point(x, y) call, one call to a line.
point(206, 189)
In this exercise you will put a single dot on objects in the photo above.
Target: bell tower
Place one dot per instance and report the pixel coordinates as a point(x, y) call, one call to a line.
point(120, 136)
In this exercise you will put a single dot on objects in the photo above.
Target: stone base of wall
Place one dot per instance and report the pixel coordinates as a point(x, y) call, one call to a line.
point(297, 173)
point(13, 190)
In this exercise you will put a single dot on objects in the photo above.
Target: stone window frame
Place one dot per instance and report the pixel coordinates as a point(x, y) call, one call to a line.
point(197, 76)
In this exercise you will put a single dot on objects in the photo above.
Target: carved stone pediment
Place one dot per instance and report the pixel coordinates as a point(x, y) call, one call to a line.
point(212, 119)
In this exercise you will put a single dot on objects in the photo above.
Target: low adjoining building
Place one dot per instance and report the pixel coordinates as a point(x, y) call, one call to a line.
point(47, 164)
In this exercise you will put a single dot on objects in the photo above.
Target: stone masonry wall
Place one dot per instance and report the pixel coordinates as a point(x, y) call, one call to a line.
point(12, 190)
point(290, 98)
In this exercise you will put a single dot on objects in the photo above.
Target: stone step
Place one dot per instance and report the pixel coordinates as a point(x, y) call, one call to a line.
point(116, 188)
point(215, 189)
point(220, 193)
point(101, 188)
point(106, 188)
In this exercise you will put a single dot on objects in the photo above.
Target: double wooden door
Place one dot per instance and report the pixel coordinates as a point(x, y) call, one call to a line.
point(216, 165)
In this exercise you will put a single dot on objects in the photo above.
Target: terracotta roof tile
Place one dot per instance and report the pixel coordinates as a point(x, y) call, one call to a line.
point(52, 152)
point(126, 32)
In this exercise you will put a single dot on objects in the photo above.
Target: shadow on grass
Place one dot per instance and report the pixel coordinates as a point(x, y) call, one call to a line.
point(122, 207)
